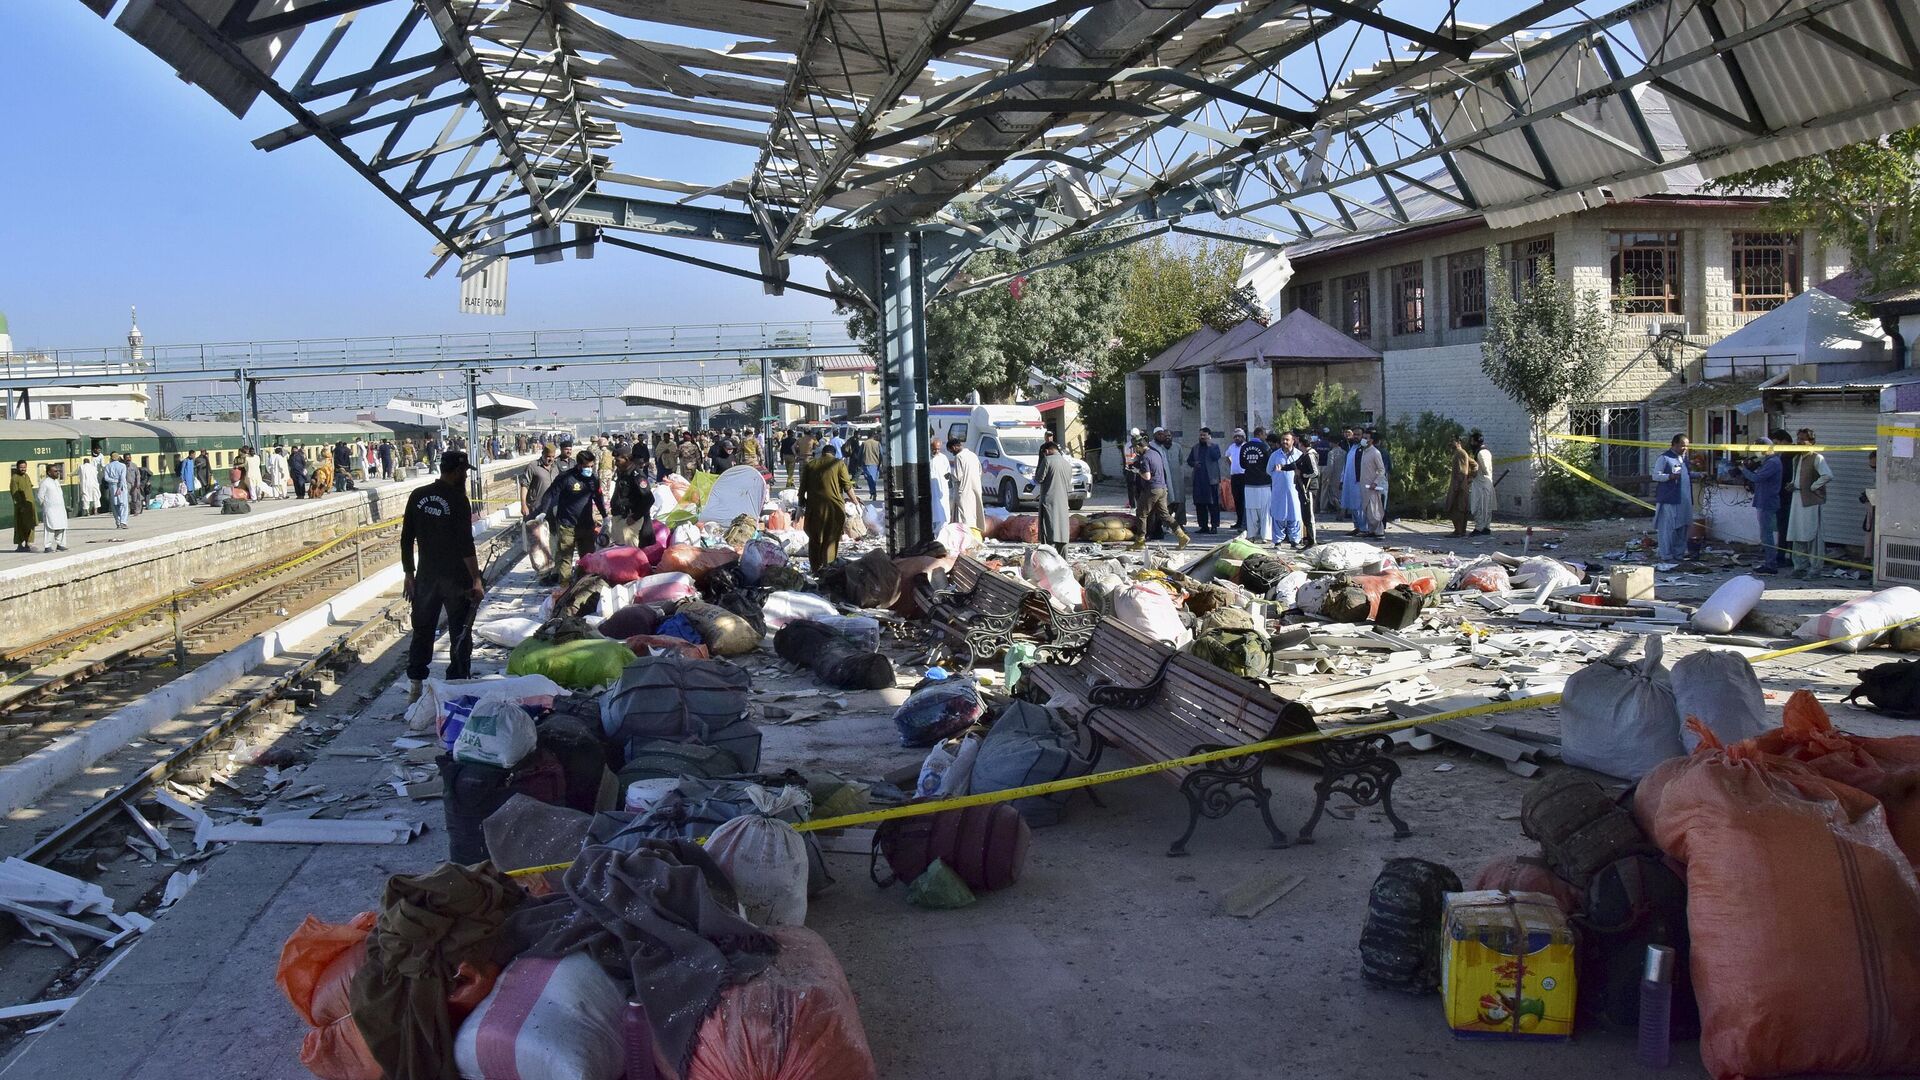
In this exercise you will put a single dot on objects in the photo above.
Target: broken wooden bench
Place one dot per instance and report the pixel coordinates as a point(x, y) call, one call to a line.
point(982, 611)
point(1157, 703)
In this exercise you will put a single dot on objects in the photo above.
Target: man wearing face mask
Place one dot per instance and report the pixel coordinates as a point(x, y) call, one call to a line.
point(568, 507)
point(1372, 474)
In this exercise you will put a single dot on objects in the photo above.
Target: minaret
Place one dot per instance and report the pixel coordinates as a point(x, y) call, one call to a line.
point(135, 339)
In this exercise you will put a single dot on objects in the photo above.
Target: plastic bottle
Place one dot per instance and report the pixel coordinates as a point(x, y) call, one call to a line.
point(1656, 1008)
point(636, 1033)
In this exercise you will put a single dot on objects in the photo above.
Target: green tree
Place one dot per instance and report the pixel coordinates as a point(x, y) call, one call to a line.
point(1169, 284)
point(1865, 196)
point(1058, 320)
point(1422, 450)
point(1545, 349)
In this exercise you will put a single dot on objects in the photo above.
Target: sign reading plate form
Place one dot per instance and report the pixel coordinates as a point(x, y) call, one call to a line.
point(483, 281)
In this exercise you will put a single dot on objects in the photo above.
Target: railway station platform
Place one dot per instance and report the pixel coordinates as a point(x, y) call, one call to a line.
point(107, 570)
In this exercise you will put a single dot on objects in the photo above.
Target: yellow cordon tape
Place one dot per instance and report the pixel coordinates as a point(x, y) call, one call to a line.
point(1893, 432)
point(1752, 448)
point(1054, 787)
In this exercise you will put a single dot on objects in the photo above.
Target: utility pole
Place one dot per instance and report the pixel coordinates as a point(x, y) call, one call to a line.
point(475, 481)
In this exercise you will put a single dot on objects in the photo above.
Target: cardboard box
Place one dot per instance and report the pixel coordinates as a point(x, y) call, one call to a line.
point(1630, 583)
point(1508, 968)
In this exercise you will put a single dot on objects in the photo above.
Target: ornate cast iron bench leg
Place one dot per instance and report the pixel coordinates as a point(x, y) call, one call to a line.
point(1213, 791)
point(1359, 768)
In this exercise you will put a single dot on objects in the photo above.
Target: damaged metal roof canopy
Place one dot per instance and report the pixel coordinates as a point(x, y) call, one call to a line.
point(494, 123)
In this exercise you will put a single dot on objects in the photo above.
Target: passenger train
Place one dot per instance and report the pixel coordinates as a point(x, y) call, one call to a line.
point(156, 444)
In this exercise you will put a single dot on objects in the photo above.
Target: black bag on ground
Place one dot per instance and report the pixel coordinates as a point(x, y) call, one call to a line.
point(1892, 688)
point(470, 792)
point(1630, 904)
point(721, 581)
point(1260, 573)
point(870, 581)
point(1580, 827)
point(681, 699)
point(1028, 744)
point(1401, 945)
point(581, 754)
point(1399, 607)
point(744, 603)
point(834, 658)
point(236, 506)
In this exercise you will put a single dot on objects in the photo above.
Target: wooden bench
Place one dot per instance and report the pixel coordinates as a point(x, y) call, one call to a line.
point(1155, 703)
point(984, 611)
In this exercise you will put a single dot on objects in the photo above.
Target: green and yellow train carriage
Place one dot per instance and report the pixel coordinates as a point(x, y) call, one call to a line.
point(156, 444)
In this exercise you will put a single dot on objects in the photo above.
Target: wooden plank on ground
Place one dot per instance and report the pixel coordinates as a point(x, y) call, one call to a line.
point(1258, 893)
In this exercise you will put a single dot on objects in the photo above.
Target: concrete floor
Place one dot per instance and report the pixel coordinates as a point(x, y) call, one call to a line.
point(1106, 960)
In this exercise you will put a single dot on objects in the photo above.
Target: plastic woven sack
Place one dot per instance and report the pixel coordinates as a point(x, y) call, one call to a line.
point(1485, 577)
point(1802, 913)
point(317, 965)
point(1719, 688)
point(1345, 555)
point(578, 665)
point(696, 562)
point(1862, 616)
point(1018, 529)
point(760, 554)
point(1050, 570)
point(1149, 607)
point(1621, 719)
point(1887, 769)
point(498, 732)
point(796, 1021)
point(509, 631)
point(937, 710)
point(782, 608)
point(546, 1019)
point(766, 858)
point(1729, 604)
point(723, 632)
point(664, 588)
point(618, 564)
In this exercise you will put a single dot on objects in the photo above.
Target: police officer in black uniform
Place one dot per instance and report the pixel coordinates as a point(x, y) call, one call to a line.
point(446, 576)
point(569, 505)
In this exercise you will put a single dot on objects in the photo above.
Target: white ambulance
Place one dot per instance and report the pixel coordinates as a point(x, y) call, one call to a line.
point(1007, 438)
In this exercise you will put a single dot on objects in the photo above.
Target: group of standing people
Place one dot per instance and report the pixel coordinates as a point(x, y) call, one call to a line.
point(1470, 487)
point(1274, 482)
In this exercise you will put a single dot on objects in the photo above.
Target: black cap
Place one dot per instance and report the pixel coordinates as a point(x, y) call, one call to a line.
point(455, 459)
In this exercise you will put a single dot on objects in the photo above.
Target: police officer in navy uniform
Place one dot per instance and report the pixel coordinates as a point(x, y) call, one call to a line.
point(446, 576)
point(569, 505)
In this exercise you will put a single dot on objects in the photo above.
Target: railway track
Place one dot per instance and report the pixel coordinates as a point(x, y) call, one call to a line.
point(286, 704)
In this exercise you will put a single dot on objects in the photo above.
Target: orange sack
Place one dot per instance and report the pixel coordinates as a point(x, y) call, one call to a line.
point(317, 965)
point(1804, 915)
point(1887, 769)
point(695, 562)
point(796, 1021)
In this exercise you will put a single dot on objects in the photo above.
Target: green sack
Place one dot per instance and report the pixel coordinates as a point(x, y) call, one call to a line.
point(1238, 652)
point(1240, 548)
point(939, 889)
point(576, 665)
point(699, 488)
point(1019, 655)
point(1226, 618)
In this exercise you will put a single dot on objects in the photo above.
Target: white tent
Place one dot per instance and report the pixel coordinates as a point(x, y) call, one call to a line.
point(739, 490)
point(1812, 328)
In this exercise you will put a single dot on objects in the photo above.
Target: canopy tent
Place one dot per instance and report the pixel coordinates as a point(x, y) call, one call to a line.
point(1815, 327)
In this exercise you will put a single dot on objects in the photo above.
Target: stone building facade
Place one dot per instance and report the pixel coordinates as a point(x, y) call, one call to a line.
point(1698, 267)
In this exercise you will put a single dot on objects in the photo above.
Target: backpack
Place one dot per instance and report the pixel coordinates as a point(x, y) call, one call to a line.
point(1028, 744)
point(986, 846)
point(1347, 602)
point(1630, 904)
point(1893, 688)
point(1262, 572)
point(474, 790)
point(1400, 945)
point(1235, 651)
point(1581, 829)
point(659, 759)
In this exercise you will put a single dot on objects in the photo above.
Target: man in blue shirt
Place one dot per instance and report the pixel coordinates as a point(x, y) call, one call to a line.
point(119, 484)
point(1765, 478)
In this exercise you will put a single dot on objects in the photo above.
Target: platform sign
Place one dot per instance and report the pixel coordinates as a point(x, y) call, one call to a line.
point(483, 281)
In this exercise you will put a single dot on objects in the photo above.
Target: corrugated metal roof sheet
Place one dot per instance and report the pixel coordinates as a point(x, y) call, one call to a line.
point(1210, 356)
point(1796, 79)
point(1186, 346)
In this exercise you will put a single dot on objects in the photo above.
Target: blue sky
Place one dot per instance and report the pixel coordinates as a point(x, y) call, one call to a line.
point(126, 186)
